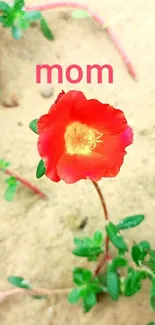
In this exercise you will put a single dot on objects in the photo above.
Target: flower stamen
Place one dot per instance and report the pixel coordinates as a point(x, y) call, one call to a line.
point(80, 139)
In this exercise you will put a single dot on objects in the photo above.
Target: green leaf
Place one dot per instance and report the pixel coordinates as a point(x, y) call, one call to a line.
point(81, 251)
point(133, 281)
point(87, 241)
point(87, 275)
point(136, 254)
point(46, 30)
point(113, 285)
point(98, 238)
point(78, 276)
point(33, 16)
point(118, 262)
point(81, 276)
point(151, 252)
point(10, 193)
point(74, 296)
point(151, 323)
point(93, 256)
point(23, 23)
point(4, 164)
point(80, 14)
point(9, 20)
point(33, 126)
point(103, 279)
point(12, 187)
point(96, 286)
point(89, 301)
point(83, 291)
point(83, 246)
point(19, 282)
point(2, 18)
point(4, 7)
point(77, 241)
point(150, 264)
point(18, 4)
point(144, 244)
point(130, 222)
point(41, 169)
point(16, 33)
point(137, 278)
point(11, 181)
point(128, 283)
point(139, 251)
point(87, 247)
point(115, 237)
point(152, 295)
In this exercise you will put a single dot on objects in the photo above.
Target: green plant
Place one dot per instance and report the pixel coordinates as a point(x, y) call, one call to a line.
point(123, 274)
point(123, 271)
point(15, 16)
point(11, 182)
point(14, 180)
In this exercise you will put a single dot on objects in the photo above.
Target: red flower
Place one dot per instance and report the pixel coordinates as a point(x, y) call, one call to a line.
point(82, 139)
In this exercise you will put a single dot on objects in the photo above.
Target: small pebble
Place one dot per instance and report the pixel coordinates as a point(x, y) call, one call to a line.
point(57, 55)
point(75, 222)
point(65, 16)
point(20, 123)
point(50, 314)
point(83, 223)
point(50, 311)
point(10, 102)
point(34, 24)
point(146, 131)
point(46, 91)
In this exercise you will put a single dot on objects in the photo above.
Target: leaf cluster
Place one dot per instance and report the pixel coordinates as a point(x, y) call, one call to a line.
point(18, 19)
point(11, 189)
point(11, 182)
point(89, 247)
point(124, 273)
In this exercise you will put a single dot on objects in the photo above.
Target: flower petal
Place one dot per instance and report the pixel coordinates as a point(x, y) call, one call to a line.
point(103, 117)
point(63, 108)
point(113, 146)
point(73, 168)
point(51, 147)
point(44, 122)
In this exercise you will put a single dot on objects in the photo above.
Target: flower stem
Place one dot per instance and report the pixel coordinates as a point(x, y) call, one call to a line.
point(26, 183)
point(36, 292)
point(101, 199)
point(106, 255)
point(99, 20)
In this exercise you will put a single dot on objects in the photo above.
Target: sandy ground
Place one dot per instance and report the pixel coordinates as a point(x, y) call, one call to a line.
point(36, 236)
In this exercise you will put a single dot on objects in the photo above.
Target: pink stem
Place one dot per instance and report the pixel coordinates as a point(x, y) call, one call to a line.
point(41, 291)
point(105, 257)
point(26, 183)
point(99, 20)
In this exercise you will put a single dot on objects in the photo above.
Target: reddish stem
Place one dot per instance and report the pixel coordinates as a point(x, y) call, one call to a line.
point(26, 183)
point(99, 20)
point(37, 292)
point(106, 255)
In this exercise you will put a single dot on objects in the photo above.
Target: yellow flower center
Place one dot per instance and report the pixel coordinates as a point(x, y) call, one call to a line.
point(81, 139)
